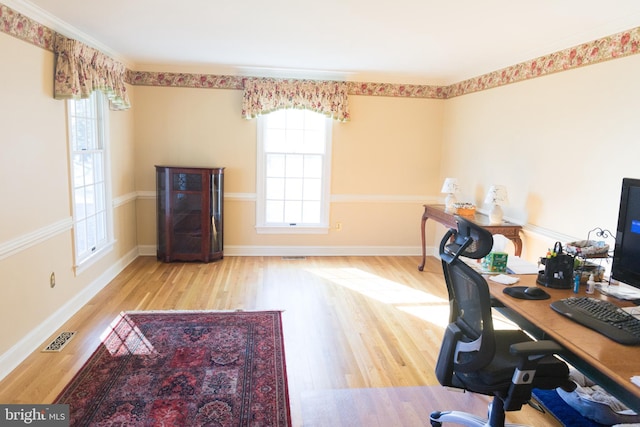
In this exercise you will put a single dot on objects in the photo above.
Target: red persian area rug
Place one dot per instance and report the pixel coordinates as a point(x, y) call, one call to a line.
point(184, 368)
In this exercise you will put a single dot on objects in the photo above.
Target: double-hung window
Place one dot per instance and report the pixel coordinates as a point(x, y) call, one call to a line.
point(90, 190)
point(293, 172)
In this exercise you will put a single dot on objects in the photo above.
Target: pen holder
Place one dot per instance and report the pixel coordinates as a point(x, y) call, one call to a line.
point(558, 269)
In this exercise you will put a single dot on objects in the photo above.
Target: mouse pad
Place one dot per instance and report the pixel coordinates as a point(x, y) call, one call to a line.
point(518, 292)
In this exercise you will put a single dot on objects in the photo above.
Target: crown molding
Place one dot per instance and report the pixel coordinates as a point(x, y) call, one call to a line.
point(55, 24)
point(35, 26)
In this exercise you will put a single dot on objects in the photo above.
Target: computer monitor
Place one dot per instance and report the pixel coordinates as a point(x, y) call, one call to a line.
point(626, 255)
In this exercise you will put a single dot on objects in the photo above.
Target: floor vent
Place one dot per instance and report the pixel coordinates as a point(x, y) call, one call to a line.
point(59, 343)
point(294, 257)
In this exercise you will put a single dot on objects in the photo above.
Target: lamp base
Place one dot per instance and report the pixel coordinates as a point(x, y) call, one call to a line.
point(495, 215)
point(449, 203)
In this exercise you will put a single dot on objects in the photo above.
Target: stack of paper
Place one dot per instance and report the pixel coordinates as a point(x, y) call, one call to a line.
point(504, 279)
point(620, 291)
point(517, 265)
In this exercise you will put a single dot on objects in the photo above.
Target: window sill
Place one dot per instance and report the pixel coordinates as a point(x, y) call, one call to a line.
point(93, 258)
point(293, 229)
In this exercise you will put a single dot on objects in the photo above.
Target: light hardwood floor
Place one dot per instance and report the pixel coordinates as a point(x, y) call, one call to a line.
point(361, 333)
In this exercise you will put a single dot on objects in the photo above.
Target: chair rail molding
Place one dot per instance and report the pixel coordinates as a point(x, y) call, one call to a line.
point(35, 237)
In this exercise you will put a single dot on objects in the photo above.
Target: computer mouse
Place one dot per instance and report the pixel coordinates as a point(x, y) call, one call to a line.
point(534, 291)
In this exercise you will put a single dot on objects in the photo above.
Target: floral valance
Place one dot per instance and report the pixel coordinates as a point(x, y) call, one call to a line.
point(264, 95)
point(81, 69)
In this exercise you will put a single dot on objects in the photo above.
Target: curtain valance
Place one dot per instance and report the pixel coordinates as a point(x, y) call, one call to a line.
point(81, 69)
point(264, 95)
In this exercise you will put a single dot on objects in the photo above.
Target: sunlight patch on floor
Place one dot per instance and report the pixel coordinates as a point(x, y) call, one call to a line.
point(501, 322)
point(376, 287)
point(438, 315)
point(412, 301)
point(420, 304)
point(123, 337)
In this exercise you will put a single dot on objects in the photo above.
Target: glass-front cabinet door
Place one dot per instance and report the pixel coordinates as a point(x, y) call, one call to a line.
point(215, 211)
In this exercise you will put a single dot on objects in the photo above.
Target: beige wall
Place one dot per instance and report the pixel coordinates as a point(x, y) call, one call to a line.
point(561, 144)
point(385, 161)
point(33, 160)
point(35, 213)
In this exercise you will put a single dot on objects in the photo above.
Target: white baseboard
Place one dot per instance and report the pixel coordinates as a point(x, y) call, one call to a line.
point(244, 250)
point(232, 250)
point(241, 250)
point(147, 250)
point(30, 343)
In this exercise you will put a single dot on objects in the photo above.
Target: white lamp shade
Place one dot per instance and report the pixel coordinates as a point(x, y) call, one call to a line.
point(497, 195)
point(449, 186)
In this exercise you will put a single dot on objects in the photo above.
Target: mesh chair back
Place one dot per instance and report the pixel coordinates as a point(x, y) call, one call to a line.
point(469, 296)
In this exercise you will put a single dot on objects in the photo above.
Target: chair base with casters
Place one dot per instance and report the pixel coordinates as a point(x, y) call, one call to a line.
point(464, 418)
point(505, 364)
point(495, 417)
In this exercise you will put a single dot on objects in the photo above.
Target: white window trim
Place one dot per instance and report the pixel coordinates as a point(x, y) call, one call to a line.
point(261, 226)
point(292, 229)
point(83, 264)
point(94, 257)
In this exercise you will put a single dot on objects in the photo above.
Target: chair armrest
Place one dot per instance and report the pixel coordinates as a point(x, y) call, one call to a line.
point(536, 348)
point(530, 353)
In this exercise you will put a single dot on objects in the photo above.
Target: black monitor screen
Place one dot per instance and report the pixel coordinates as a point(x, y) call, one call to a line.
point(626, 256)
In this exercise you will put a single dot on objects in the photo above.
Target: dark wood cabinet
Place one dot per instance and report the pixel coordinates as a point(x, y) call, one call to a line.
point(189, 213)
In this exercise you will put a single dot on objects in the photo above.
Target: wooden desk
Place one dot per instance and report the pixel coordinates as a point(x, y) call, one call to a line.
point(607, 363)
point(438, 213)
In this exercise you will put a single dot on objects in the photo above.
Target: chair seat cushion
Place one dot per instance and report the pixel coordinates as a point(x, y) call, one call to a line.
point(496, 377)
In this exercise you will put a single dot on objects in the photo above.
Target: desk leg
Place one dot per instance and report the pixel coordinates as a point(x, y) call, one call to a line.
point(424, 243)
point(517, 243)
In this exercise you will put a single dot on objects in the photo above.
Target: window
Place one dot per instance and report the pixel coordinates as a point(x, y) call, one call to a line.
point(293, 171)
point(90, 192)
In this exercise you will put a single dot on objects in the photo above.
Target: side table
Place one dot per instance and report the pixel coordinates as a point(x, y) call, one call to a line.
point(438, 213)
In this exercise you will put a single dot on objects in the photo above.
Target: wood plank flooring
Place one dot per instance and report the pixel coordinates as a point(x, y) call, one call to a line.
point(361, 333)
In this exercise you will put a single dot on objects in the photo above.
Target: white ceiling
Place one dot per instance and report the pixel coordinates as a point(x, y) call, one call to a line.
point(399, 41)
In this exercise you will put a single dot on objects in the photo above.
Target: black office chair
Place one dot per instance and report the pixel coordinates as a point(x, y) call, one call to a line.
point(505, 364)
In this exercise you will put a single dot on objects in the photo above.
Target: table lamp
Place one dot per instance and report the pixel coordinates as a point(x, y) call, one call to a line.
point(450, 187)
point(496, 196)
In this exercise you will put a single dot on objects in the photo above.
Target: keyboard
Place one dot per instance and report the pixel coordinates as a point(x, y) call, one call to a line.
point(601, 316)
